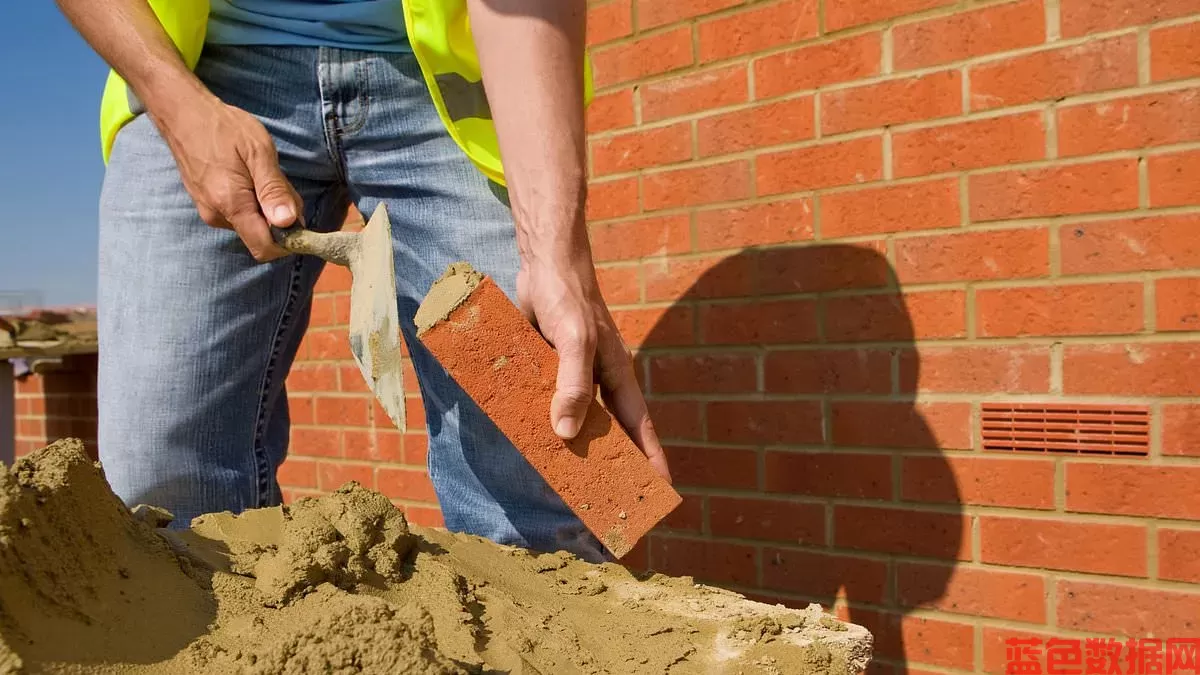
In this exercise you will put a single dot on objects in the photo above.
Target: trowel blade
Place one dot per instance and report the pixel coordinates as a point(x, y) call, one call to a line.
point(374, 317)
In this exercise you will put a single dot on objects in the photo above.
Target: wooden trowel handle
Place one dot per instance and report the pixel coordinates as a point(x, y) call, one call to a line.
point(335, 247)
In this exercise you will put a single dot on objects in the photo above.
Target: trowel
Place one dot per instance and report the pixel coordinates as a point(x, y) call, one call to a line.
point(374, 317)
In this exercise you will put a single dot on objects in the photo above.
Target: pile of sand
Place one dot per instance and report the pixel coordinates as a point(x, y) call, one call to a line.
point(341, 584)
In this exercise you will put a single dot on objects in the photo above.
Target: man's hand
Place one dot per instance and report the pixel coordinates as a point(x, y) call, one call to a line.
point(562, 298)
point(230, 168)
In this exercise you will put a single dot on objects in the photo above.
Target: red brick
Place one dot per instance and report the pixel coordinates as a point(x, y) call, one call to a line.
point(424, 516)
point(1175, 52)
point(974, 256)
point(961, 36)
point(300, 409)
point(892, 208)
point(642, 148)
point(413, 484)
point(707, 561)
point(769, 519)
point(829, 474)
point(654, 13)
point(1133, 369)
point(1132, 245)
point(328, 345)
point(902, 531)
point(1136, 122)
point(1054, 74)
point(620, 285)
point(612, 199)
point(759, 322)
point(841, 14)
point(703, 373)
point(693, 92)
point(1173, 179)
point(333, 278)
point(321, 311)
point(821, 166)
point(901, 425)
point(824, 267)
point(640, 238)
point(977, 592)
point(1134, 611)
point(676, 419)
point(757, 28)
point(996, 648)
point(414, 409)
point(812, 66)
point(417, 449)
point(1179, 555)
point(315, 442)
point(643, 57)
point(985, 481)
point(938, 643)
point(1134, 490)
point(713, 467)
point(913, 99)
point(1080, 17)
point(819, 575)
point(889, 316)
point(352, 411)
point(985, 370)
point(331, 476)
point(1063, 545)
point(761, 126)
point(828, 371)
point(1091, 309)
point(600, 467)
point(688, 516)
point(1110, 185)
point(1181, 429)
point(341, 309)
point(765, 422)
point(609, 21)
point(777, 222)
point(969, 145)
point(696, 185)
point(656, 326)
point(1178, 304)
point(378, 445)
point(714, 277)
point(610, 111)
point(297, 473)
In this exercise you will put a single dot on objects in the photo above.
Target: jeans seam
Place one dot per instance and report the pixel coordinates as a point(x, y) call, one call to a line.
point(262, 463)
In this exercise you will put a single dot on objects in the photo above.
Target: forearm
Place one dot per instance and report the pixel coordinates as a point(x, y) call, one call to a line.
point(531, 54)
point(127, 35)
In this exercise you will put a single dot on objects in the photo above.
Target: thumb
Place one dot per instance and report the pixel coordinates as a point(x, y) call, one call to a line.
point(277, 198)
point(574, 386)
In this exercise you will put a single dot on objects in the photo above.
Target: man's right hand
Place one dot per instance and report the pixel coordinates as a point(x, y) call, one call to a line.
point(230, 167)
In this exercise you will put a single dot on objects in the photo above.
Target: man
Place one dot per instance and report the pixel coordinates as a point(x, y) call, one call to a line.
point(247, 114)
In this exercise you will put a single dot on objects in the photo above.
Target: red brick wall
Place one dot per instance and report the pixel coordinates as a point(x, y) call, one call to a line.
point(835, 228)
point(59, 403)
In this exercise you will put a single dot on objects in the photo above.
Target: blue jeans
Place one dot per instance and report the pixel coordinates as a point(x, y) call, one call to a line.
point(196, 338)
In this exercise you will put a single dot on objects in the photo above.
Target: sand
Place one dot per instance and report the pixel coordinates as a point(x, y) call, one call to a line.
point(343, 584)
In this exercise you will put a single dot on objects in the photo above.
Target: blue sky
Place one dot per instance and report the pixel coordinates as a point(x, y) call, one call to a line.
point(50, 165)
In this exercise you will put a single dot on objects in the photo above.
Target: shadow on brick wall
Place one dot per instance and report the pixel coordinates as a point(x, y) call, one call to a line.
point(783, 382)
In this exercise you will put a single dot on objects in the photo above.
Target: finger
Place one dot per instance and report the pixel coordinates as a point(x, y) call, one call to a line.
point(576, 347)
point(252, 229)
point(278, 200)
point(624, 398)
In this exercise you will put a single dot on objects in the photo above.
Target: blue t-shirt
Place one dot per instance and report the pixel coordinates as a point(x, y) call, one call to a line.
point(376, 25)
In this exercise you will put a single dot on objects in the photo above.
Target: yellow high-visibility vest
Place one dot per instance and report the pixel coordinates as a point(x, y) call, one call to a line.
point(439, 33)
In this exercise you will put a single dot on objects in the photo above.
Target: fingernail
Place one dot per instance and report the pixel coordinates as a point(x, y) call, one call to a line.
point(282, 213)
point(567, 427)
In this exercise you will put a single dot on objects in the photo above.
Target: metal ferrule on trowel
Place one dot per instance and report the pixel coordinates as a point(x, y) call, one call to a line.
point(374, 316)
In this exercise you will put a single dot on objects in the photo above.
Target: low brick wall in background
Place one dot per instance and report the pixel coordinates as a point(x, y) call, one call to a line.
point(57, 404)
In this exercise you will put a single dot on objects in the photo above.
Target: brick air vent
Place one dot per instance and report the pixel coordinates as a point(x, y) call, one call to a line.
point(1066, 429)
